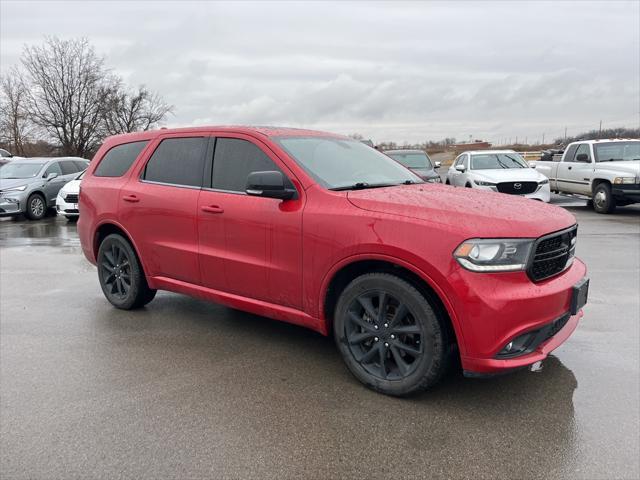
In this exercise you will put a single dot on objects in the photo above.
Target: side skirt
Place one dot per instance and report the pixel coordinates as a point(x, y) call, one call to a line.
point(251, 305)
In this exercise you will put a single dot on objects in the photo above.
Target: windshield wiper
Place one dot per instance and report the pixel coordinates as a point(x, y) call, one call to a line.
point(363, 185)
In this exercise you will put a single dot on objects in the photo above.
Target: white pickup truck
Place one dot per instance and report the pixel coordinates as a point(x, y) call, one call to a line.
point(604, 171)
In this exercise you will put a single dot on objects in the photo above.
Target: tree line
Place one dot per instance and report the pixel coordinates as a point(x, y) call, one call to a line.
point(62, 95)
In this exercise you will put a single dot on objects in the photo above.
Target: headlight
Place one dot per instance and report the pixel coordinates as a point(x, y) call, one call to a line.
point(434, 180)
point(543, 182)
point(494, 255)
point(16, 189)
point(484, 184)
point(624, 180)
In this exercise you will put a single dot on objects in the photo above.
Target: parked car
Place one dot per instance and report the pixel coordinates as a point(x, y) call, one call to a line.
point(67, 199)
point(604, 171)
point(501, 171)
point(418, 162)
point(30, 186)
point(5, 157)
point(325, 232)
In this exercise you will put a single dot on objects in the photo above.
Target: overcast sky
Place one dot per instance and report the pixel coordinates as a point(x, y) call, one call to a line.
point(390, 71)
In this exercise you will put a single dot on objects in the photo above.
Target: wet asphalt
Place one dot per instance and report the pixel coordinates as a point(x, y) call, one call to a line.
point(186, 389)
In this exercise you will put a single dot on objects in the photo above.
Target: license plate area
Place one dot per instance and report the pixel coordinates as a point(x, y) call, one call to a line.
point(580, 292)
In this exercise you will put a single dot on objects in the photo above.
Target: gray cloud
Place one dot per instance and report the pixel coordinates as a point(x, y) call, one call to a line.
point(402, 71)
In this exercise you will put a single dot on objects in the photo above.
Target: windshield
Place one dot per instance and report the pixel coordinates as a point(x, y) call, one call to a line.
point(495, 161)
point(412, 159)
point(617, 151)
point(338, 163)
point(20, 169)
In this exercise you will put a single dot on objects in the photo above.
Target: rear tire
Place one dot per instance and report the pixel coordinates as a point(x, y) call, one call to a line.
point(603, 200)
point(468, 185)
point(36, 207)
point(71, 219)
point(389, 335)
point(121, 276)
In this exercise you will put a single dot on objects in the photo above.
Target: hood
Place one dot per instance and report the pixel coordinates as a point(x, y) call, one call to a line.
point(631, 167)
point(6, 183)
point(71, 187)
point(473, 213)
point(508, 175)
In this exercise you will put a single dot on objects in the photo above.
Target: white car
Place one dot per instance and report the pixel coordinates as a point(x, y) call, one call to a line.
point(67, 199)
point(499, 171)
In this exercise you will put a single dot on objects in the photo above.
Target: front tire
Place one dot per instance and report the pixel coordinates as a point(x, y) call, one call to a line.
point(603, 200)
point(121, 276)
point(36, 207)
point(389, 335)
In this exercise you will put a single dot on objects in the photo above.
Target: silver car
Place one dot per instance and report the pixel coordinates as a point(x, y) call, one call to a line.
point(502, 171)
point(30, 186)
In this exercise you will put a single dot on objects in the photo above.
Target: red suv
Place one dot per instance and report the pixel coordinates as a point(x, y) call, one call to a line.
point(325, 232)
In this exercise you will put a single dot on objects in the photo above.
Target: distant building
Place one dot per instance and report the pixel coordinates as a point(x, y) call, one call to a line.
point(475, 145)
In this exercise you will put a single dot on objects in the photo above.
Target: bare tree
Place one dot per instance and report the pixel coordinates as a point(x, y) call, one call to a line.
point(15, 125)
point(69, 86)
point(126, 112)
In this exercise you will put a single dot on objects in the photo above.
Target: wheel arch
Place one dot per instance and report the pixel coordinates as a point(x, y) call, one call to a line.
point(107, 228)
point(356, 267)
point(598, 181)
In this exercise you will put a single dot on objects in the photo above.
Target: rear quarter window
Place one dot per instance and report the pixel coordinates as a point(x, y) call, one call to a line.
point(177, 161)
point(119, 159)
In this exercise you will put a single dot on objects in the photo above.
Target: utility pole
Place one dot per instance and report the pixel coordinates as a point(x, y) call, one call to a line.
point(543, 138)
point(526, 140)
point(600, 131)
point(565, 134)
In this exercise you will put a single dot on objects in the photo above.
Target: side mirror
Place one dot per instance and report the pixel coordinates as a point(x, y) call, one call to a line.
point(460, 168)
point(268, 184)
point(437, 165)
point(583, 157)
point(51, 176)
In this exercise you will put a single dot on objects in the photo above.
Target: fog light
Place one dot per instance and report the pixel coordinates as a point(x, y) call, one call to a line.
point(518, 345)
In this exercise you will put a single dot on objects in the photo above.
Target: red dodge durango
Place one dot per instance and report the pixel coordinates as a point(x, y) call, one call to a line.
point(323, 231)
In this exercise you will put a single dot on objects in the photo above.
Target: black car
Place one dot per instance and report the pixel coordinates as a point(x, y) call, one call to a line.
point(418, 162)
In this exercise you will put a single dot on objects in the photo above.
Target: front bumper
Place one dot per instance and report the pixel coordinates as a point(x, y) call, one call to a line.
point(497, 308)
point(66, 209)
point(627, 192)
point(11, 204)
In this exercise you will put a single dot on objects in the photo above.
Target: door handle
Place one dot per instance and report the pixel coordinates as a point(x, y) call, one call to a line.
point(131, 198)
point(569, 168)
point(212, 209)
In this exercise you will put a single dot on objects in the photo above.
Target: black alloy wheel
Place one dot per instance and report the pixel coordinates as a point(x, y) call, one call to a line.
point(383, 335)
point(389, 335)
point(115, 269)
point(121, 276)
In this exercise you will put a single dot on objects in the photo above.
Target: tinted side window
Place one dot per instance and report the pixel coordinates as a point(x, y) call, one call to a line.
point(68, 167)
point(177, 161)
point(234, 160)
point(53, 168)
point(570, 153)
point(81, 165)
point(118, 160)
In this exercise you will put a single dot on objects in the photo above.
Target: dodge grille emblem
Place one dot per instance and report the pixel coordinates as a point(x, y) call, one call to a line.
point(517, 186)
